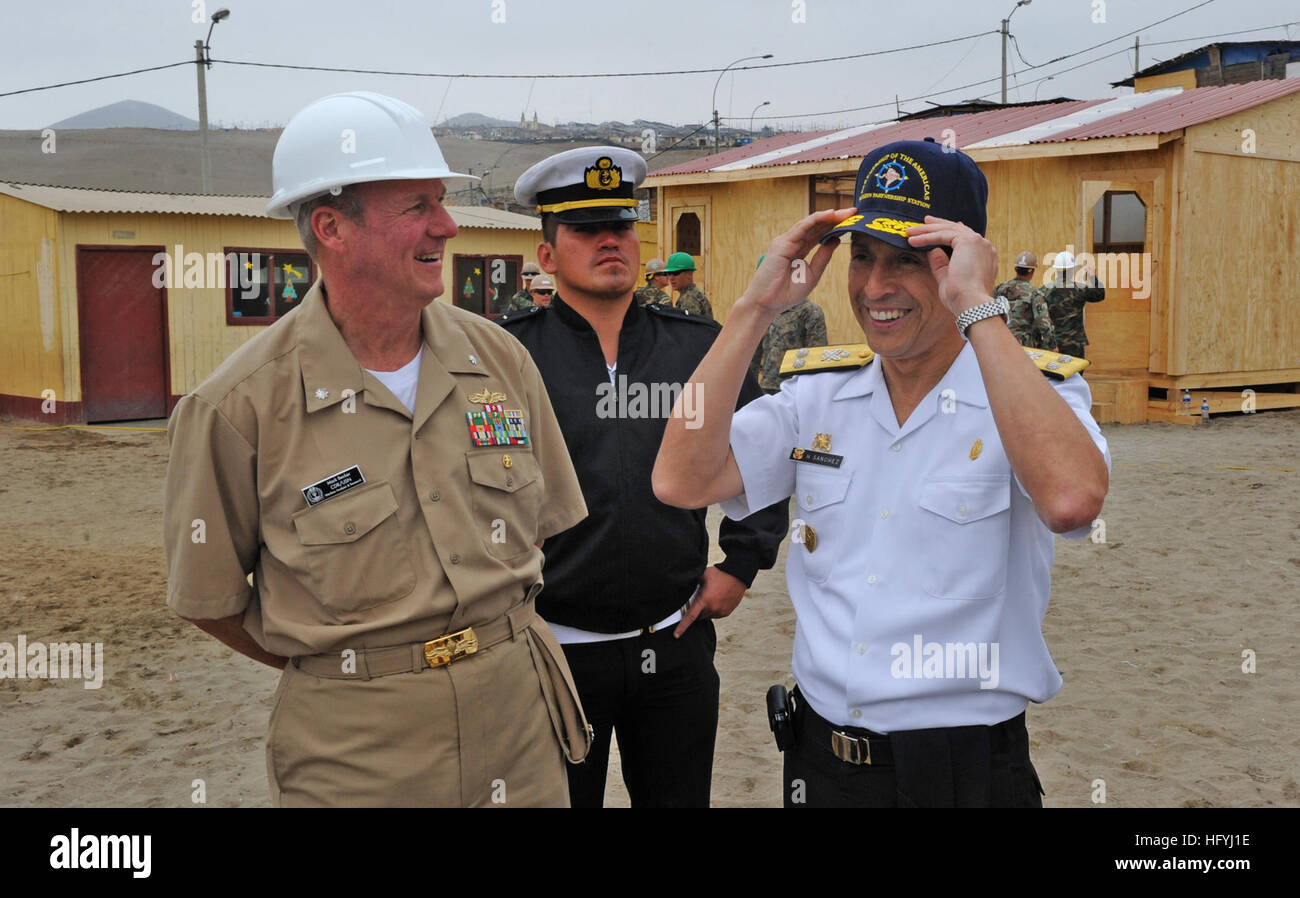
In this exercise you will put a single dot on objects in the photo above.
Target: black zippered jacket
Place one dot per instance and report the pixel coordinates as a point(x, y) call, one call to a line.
point(633, 560)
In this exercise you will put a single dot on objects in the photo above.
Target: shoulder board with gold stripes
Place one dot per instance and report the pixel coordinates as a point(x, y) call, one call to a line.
point(826, 358)
point(1053, 364)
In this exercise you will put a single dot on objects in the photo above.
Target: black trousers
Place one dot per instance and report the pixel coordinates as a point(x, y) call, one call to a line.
point(660, 695)
point(974, 766)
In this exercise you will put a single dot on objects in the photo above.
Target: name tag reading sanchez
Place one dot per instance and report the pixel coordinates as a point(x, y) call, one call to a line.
point(331, 486)
point(813, 457)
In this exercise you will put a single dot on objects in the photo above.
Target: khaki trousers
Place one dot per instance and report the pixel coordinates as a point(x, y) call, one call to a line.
point(475, 733)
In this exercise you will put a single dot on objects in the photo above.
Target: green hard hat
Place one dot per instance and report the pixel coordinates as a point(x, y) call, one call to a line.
point(679, 262)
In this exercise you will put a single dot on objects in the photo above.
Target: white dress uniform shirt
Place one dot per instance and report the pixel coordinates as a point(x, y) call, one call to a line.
point(921, 604)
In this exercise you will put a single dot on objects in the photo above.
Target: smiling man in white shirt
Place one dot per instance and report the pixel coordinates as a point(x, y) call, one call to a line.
point(928, 485)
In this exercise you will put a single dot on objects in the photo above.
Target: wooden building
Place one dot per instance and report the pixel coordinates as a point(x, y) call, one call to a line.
point(116, 304)
point(1188, 198)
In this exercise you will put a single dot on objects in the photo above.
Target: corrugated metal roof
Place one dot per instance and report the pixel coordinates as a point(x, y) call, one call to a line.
point(736, 154)
point(1156, 112)
point(78, 199)
point(1044, 131)
point(1182, 110)
point(967, 129)
point(853, 142)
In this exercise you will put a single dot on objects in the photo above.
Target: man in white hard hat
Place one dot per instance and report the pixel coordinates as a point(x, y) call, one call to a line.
point(1066, 295)
point(384, 466)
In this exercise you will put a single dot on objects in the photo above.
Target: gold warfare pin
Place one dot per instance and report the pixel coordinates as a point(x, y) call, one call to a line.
point(486, 397)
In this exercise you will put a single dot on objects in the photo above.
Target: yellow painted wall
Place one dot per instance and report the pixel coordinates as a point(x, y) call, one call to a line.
point(1039, 204)
point(1185, 79)
point(200, 337)
point(31, 336)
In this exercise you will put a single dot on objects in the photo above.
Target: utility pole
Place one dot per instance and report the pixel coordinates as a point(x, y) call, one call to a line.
point(1004, 60)
point(1005, 33)
point(205, 164)
point(1137, 43)
point(201, 64)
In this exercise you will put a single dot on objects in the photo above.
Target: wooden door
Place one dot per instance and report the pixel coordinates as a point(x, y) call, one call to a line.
point(123, 328)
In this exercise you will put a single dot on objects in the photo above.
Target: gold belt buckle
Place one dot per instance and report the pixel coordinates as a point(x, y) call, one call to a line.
point(850, 748)
point(452, 647)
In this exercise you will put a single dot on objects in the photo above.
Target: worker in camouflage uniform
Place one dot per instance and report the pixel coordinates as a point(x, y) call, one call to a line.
point(655, 288)
point(800, 326)
point(524, 298)
point(1066, 297)
point(681, 275)
point(1030, 322)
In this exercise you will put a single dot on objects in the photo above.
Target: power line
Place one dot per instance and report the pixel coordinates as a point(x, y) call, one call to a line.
point(356, 71)
point(991, 80)
point(1207, 37)
point(28, 90)
point(743, 68)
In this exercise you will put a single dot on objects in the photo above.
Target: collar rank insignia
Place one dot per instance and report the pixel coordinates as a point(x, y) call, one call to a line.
point(495, 426)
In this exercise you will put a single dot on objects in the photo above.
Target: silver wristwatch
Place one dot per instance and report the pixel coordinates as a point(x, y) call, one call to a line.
point(996, 306)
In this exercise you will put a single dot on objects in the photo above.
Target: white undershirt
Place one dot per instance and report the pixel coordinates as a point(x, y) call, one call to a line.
point(565, 635)
point(402, 382)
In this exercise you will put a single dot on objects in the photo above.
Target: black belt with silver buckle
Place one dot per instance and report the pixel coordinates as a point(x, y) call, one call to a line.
point(852, 745)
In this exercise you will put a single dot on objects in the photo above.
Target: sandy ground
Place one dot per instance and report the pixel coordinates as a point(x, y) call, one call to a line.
point(1201, 562)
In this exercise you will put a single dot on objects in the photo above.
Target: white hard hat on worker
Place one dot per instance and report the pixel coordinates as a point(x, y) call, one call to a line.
point(351, 138)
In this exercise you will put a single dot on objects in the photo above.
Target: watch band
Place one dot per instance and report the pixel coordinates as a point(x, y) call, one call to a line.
point(996, 306)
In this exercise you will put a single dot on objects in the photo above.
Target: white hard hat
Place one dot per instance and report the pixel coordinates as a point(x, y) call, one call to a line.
point(1064, 259)
point(347, 139)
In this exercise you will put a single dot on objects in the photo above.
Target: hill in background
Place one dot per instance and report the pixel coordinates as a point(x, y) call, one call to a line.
point(129, 114)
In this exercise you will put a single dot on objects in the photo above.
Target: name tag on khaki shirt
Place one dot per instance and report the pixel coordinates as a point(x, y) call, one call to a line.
point(331, 486)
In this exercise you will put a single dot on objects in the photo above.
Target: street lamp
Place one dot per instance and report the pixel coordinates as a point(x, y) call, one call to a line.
point(714, 103)
point(201, 65)
point(1005, 23)
point(751, 115)
point(1040, 86)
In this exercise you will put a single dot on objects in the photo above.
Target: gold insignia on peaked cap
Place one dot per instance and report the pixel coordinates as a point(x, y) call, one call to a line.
point(604, 175)
point(486, 397)
point(584, 185)
point(976, 449)
point(826, 358)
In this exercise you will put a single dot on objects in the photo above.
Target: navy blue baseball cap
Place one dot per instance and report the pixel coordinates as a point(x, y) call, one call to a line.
point(902, 182)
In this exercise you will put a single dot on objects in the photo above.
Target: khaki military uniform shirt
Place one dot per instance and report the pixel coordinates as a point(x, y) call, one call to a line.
point(441, 535)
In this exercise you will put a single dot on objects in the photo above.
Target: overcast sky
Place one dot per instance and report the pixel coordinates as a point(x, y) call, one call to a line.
point(51, 41)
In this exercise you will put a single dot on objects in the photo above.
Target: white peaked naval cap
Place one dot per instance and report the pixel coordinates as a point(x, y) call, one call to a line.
point(351, 138)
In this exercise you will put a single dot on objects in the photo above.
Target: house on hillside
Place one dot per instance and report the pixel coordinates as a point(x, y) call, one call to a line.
point(116, 304)
point(1186, 197)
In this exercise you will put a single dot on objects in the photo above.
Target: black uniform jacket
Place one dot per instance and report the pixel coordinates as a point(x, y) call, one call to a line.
point(633, 560)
